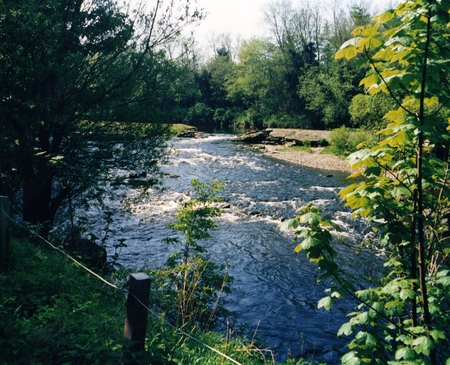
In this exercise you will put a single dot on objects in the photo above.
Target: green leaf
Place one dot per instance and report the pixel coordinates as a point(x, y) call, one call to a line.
point(371, 341)
point(288, 224)
point(346, 329)
point(437, 335)
point(444, 281)
point(400, 192)
point(350, 359)
point(328, 266)
point(326, 302)
point(348, 52)
point(423, 345)
point(386, 16)
point(311, 218)
point(407, 294)
point(362, 318)
point(370, 80)
point(404, 353)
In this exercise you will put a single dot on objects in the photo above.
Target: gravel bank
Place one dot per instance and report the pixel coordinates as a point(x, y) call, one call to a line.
point(315, 159)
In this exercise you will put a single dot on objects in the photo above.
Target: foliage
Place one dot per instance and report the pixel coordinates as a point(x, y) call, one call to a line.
point(191, 283)
point(53, 312)
point(288, 79)
point(327, 93)
point(368, 111)
point(199, 114)
point(344, 141)
point(225, 118)
point(255, 76)
point(177, 129)
point(72, 73)
point(403, 190)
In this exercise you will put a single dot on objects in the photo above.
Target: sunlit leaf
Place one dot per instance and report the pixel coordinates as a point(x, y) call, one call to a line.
point(437, 335)
point(404, 353)
point(407, 294)
point(348, 52)
point(370, 80)
point(326, 302)
point(350, 359)
point(362, 318)
point(346, 329)
point(386, 16)
point(370, 30)
point(308, 242)
point(288, 224)
point(431, 101)
point(311, 218)
point(423, 345)
point(400, 192)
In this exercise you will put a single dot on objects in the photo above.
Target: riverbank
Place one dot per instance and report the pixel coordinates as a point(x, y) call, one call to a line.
point(315, 159)
point(282, 138)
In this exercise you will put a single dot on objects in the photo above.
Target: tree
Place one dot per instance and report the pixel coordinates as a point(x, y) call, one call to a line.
point(69, 70)
point(299, 36)
point(327, 93)
point(404, 191)
point(368, 111)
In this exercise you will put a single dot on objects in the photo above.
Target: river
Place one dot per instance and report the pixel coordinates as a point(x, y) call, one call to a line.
point(275, 292)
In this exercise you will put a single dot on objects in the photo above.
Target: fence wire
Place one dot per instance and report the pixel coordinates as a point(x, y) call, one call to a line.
point(97, 276)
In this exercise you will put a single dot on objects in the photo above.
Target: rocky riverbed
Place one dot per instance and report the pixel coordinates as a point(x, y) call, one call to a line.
point(315, 159)
point(274, 141)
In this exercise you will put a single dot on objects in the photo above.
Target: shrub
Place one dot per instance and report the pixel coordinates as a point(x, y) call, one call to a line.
point(344, 141)
point(368, 111)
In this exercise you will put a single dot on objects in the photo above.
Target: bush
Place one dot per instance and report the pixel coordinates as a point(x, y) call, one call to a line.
point(344, 141)
point(368, 111)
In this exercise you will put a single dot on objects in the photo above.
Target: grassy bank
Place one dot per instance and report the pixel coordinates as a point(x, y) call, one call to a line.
point(54, 312)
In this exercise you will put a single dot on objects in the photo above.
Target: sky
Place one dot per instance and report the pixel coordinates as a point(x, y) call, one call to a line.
point(244, 17)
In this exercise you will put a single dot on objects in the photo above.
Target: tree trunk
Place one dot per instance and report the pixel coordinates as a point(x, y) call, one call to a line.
point(37, 198)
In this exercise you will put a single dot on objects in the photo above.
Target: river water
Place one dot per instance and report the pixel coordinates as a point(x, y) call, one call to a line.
point(275, 292)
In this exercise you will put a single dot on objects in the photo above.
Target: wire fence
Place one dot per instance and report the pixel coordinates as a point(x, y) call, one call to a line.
point(4, 214)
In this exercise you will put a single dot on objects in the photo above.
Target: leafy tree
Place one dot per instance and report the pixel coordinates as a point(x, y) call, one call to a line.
point(299, 35)
point(69, 69)
point(368, 111)
point(251, 80)
point(327, 93)
point(213, 78)
point(404, 190)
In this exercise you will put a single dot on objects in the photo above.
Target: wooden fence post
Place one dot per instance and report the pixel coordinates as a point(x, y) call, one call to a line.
point(136, 320)
point(4, 227)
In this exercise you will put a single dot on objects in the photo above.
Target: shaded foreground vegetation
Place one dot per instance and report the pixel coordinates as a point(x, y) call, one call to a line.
point(52, 311)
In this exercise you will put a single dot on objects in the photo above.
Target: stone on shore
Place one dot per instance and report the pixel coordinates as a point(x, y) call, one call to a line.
point(281, 136)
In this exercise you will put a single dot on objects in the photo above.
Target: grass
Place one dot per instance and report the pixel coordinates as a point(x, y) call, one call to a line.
point(54, 312)
point(176, 129)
